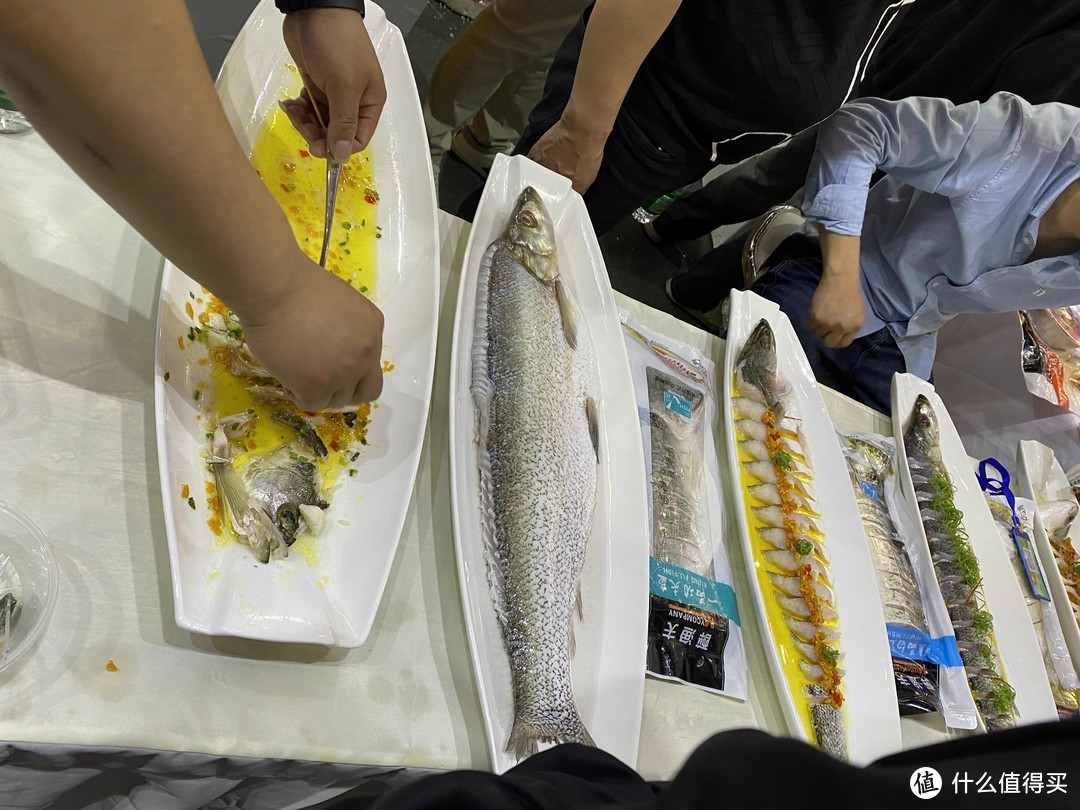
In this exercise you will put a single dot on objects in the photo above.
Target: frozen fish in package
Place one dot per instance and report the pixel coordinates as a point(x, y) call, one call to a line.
point(694, 635)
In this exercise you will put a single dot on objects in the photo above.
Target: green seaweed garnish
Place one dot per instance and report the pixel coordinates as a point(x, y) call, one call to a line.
point(1002, 697)
point(191, 502)
point(782, 459)
point(982, 621)
point(832, 655)
point(1076, 568)
point(803, 547)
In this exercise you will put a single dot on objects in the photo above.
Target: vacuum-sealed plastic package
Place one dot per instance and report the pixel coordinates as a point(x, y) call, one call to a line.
point(695, 635)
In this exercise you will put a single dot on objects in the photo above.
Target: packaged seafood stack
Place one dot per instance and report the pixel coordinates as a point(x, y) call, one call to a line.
point(809, 567)
point(995, 637)
point(1055, 529)
point(1013, 517)
point(926, 662)
point(238, 461)
point(695, 633)
point(549, 504)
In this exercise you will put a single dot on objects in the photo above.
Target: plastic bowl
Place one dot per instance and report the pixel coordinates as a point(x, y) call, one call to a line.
point(28, 571)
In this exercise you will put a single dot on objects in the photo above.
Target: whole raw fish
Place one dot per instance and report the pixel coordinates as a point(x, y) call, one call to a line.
point(538, 456)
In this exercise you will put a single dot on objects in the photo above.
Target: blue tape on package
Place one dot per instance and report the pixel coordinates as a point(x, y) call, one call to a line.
point(672, 582)
point(907, 642)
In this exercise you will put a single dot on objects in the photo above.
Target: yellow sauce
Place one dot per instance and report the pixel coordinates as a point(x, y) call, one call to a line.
point(786, 651)
point(298, 182)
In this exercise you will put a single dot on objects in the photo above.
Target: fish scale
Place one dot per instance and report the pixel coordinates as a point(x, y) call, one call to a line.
point(538, 475)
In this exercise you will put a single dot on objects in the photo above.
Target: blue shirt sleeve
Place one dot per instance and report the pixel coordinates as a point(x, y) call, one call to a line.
point(929, 143)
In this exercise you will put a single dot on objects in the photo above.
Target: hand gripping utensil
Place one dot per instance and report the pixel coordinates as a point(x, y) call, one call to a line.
point(333, 177)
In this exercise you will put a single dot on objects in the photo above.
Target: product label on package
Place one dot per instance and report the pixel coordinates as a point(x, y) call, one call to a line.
point(908, 642)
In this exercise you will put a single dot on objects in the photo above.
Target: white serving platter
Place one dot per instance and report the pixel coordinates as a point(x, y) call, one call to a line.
point(1042, 479)
point(869, 688)
point(223, 591)
point(608, 669)
point(1021, 656)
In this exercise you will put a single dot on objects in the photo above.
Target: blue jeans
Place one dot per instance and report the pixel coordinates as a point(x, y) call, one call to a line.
point(862, 370)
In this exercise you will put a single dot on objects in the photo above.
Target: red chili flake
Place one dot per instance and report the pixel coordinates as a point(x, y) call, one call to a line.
point(304, 153)
point(370, 198)
point(334, 445)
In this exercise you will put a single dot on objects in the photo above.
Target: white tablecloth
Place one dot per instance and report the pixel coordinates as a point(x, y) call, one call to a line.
point(78, 290)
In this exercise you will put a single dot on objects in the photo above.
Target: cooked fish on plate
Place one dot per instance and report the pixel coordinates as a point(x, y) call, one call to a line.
point(300, 572)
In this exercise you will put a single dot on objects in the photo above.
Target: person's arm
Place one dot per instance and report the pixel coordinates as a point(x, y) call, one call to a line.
point(333, 51)
point(836, 310)
point(618, 37)
point(121, 91)
point(929, 143)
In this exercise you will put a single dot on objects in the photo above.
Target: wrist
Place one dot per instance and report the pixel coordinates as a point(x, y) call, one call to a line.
point(589, 125)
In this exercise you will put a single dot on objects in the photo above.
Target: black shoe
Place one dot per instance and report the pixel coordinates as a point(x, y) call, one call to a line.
point(715, 319)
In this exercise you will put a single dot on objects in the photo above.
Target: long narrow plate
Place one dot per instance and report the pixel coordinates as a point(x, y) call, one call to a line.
point(869, 689)
point(608, 668)
point(1021, 657)
point(331, 600)
point(1042, 479)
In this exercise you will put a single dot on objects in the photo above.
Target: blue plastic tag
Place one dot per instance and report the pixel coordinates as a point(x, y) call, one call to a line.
point(678, 584)
point(915, 645)
point(1000, 486)
point(870, 490)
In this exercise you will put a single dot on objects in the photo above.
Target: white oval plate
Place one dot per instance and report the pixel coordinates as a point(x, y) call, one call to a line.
point(869, 688)
point(608, 668)
point(1042, 479)
point(1019, 647)
point(223, 591)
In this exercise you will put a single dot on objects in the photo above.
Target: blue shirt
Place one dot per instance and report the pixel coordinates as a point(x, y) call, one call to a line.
point(949, 229)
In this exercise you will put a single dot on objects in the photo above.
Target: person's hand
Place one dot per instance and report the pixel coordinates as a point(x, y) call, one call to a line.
point(335, 56)
point(319, 337)
point(573, 150)
point(836, 310)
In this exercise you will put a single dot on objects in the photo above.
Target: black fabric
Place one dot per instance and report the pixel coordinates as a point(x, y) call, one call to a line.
point(732, 78)
point(966, 50)
point(741, 193)
point(289, 6)
point(749, 768)
point(962, 50)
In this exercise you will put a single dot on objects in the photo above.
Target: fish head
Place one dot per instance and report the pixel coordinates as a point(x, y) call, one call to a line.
point(923, 427)
point(759, 350)
point(530, 236)
point(756, 364)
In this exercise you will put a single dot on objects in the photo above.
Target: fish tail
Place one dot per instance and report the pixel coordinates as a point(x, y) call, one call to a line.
point(525, 735)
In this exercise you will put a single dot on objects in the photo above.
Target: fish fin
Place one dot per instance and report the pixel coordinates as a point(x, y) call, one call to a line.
point(482, 394)
point(525, 736)
point(592, 415)
point(566, 312)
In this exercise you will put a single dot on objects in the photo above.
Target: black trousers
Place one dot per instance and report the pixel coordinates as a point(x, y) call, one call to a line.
point(750, 769)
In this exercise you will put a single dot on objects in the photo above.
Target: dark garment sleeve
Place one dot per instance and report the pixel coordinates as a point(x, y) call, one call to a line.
point(289, 6)
point(743, 192)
